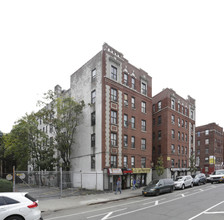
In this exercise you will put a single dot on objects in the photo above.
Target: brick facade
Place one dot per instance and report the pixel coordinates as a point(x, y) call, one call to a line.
point(209, 144)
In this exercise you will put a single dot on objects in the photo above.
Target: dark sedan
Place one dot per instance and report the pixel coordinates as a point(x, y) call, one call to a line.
point(199, 179)
point(158, 186)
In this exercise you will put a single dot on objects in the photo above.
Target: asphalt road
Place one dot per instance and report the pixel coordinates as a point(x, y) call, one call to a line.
point(200, 202)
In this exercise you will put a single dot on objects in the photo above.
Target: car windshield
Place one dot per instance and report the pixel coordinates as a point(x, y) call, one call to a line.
point(197, 176)
point(179, 178)
point(218, 172)
point(154, 182)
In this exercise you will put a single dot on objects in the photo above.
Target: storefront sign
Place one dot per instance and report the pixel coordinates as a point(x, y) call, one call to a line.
point(114, 171)
point(127, 171)
point(141, 170)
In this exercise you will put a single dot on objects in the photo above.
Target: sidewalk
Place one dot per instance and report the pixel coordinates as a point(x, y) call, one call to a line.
point(55, 204)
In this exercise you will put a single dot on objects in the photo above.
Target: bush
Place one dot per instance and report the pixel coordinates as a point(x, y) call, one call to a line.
point(5, 186)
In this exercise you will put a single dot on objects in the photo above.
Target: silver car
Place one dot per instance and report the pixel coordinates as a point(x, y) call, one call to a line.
point(182, 182)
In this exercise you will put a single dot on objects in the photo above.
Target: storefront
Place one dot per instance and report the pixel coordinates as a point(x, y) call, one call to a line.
point(126, 178)
point(140, 175)
point(114, 174)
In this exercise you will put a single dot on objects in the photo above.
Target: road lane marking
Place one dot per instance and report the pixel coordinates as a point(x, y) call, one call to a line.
point(157, 201)
point(213, 213)
point(182, 195)
point(205, 211)
point(108, 215)
point(105, 213)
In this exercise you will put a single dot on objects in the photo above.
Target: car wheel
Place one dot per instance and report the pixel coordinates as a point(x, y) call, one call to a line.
point(157, 193)
point(171, 189)
point(211, 182)
point(192, 185)
point(199, 183)
point(14, 218)
point(183, 186)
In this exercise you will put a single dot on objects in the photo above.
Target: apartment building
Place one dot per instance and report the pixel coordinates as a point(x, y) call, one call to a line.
point(173, 131)
point(114, 138)
point(209, 147)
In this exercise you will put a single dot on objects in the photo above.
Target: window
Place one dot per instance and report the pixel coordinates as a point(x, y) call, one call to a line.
point(113, 95)
point(199, 143)
point(178, 122)
point(143, 125)
point(153, 108)
point(113, 72)
point(125, 99)
point(206, 151)
point(125, 161)
point(159, 105)
point(93, 75)
point(133, 122)
point(198, 152)
point(173, 119)
point(182, 123)
point(143, 162)
point(172, 148)
point(173, 133)
point(159, 120)
point(206, 141)
point(186, 124)
point(178, 135)
point(173, 104)
point(126, 121)
point(178, 149)
point(172, 163)
point(93, 118)
point(113, 139)
point(178, 107)
point(133, 83)
point(143, 88)
point(9, 201)
point(186, 150)
point(159, 150)
point(186, 137)
point(113, 161)
point(206, 132)
point(198, 133)
point(159, 134)
point(143, 107)
point(93, 164)
point(126, 79)
point(133, 162)
point(206, 159)
point(125, 140)
point(132, 142)
point(93, 140)
point(182, 149)
point(192, 114)
point(182, 136)
point(93, 96)
point(113, 117)
point(143, 143)
point(132, 102)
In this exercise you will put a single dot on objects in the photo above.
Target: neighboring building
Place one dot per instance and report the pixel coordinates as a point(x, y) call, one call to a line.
point(114, 138)
point(209, 147)
point(173, 131)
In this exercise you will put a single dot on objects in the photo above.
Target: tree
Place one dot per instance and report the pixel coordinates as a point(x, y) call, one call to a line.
point(192, 167)
point(62, 113)
point(160, 166)
point(27, 143)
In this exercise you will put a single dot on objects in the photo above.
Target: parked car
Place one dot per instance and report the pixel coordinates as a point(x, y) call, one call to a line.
point(183, 181)
point(217, 176)
point(199, 179)
point(156, 187)
point(19, 206)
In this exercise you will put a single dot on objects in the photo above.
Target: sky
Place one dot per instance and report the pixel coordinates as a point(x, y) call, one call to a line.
point(180, 44)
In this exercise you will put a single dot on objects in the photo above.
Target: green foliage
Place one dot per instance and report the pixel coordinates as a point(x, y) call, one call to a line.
point(192, 167)
point(63, 114)
point(5, 186)
point(160, 166)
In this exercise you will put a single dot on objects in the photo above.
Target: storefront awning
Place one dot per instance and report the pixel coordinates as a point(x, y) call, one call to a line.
point(141, 170)
point(114, 171)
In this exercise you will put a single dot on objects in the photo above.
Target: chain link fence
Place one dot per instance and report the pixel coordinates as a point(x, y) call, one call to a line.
point(45, 184)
